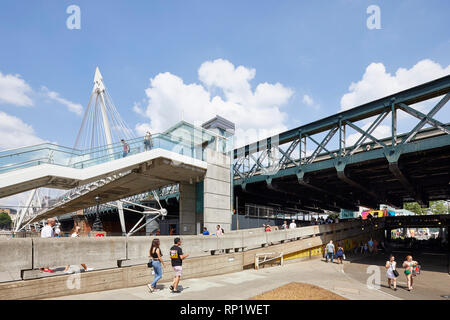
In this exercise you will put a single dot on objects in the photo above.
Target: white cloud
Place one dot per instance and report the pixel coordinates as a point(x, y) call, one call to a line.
point(307, 100)
point(224, 90)
point(71, 106)
point(138, 109)
point(15, 133)
point(377, 83)
point(14, 90)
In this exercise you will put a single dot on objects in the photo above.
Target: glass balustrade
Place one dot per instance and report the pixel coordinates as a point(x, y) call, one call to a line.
point(183, 139)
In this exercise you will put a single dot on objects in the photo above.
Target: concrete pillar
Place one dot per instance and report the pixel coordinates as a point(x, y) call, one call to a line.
point(187, 209)
point(388, 234)
point(217, 191)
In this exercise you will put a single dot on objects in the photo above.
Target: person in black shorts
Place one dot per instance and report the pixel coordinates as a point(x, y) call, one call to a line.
point(177, 257)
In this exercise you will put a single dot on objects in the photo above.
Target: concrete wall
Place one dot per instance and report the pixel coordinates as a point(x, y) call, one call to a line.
point(65, 251)
point(116, 278)
point(15, 255)
point(200, 264)
point(217, 191)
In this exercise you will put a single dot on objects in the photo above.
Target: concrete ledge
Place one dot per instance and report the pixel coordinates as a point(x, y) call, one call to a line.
point(116, 278)
point(65, 251)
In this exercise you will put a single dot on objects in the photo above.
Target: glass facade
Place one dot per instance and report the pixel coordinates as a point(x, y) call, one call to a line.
point(183, 138)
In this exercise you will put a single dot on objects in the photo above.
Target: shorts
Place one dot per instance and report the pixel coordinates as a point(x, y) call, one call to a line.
point(178, 270)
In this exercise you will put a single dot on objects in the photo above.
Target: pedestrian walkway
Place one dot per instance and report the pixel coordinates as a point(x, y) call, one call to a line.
point(249, 283)
point(433, 283)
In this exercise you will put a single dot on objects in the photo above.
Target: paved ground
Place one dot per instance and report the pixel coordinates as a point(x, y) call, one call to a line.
point(432, 284)
point(249, 283)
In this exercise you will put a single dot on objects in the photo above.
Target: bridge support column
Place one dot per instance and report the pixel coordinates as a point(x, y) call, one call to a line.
point(187, 209)
point(217, 191)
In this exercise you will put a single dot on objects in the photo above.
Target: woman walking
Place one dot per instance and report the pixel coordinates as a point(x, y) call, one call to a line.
point(391, 272)
point(340, 254)
point(156, 256)
point(409, 265)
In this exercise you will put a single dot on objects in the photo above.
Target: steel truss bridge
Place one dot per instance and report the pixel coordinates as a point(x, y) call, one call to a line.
point(316, 166)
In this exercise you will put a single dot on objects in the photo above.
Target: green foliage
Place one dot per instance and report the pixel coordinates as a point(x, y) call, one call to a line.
point(5, 220)
point(333, 216)
point(436, 207)
point(439, 207)
point(414, 207)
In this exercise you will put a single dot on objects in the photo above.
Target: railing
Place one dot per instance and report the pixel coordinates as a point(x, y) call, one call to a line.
point(52, 154)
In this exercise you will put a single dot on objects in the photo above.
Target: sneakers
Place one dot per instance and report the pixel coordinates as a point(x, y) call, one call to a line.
point(69, 271)
point(176, 291)
point(171, 288)
point(149, 286)
point(48, 270)
point(89, 269)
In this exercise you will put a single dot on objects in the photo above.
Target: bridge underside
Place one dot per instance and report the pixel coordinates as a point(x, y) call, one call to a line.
point(160, 173)
point(420, 176)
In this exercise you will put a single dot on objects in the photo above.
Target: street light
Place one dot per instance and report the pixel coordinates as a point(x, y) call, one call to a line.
point(97, 226)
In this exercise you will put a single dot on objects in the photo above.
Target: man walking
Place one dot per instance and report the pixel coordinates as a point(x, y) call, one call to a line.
point(293, 225)
point(48, 232)
point(148, 144)
point(330, 251)
point(177, 257)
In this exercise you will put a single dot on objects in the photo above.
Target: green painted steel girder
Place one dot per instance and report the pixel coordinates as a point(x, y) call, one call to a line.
point(410, 96)
point(411, 147)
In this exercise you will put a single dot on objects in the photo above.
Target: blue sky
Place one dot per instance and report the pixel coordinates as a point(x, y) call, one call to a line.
point(313, 48)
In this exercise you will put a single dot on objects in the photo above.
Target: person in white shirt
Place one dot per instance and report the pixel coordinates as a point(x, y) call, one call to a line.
point(293, 225)
point(57, 231)
point(390, 274)
point(76, 234)
point(330, 251)
point(48, 232)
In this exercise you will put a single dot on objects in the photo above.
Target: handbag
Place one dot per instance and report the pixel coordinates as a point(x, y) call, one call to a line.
point(150, 264)
point(394, 270)
point(416, 270)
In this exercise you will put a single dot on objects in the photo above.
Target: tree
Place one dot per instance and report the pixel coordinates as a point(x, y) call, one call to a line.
point(436, 207)
point(414, 207)
point(333, 215)
point(5, 220)
point(439, 207)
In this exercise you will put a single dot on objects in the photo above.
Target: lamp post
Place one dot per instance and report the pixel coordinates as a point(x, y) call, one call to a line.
point(97, 226)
